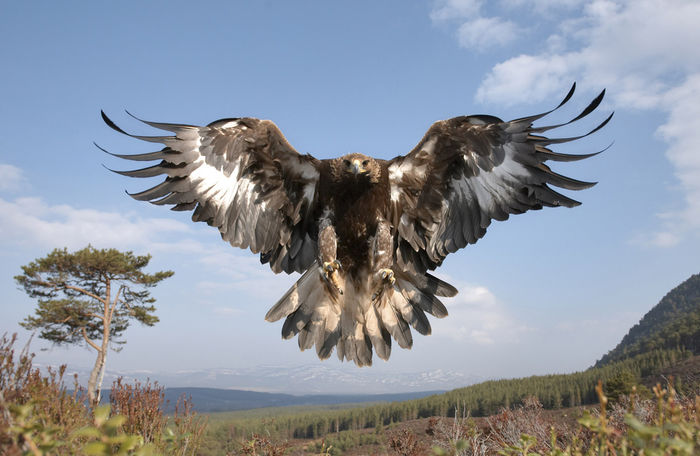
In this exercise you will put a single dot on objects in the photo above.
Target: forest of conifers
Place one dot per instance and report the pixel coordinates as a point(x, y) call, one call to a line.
point(479, 400)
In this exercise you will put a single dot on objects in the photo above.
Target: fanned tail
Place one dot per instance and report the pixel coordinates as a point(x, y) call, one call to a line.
point(359, 321)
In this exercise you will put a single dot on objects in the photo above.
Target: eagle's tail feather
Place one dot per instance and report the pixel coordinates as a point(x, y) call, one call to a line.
point(394, 322)
point(357, 345)
point(307, 335)
point(291, 300)
point(411, 313)
point(359, 320)
point(422, 298)
point(328, 335)
point(377, 333)
point(431, 285)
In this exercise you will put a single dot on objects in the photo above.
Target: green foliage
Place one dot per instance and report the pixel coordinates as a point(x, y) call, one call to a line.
point(674, 323)
point(105, 436)
point(33, 435)
point(620, 384)
point(31, 432)
point(75, 292)
point(342, 441)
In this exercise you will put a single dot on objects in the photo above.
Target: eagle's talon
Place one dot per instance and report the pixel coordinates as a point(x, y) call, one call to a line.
point(387, 280)
point(332, 266)
point(329, 274)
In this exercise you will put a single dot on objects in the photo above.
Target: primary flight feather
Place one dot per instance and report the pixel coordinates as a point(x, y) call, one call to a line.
point(363, 232)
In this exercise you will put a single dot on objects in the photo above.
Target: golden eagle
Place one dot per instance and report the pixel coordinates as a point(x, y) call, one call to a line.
point(363, 232)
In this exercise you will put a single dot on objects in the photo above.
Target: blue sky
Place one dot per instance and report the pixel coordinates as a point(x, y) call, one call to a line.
point(548, 291)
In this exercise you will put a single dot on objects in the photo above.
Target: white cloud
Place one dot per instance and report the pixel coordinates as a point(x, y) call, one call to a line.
point(682, 132)
point(476, 316)
point(658, 239)
point(484, 33)
point(455, 9)
point(543, 6)
point(30, 221)
point(528, 78)
point(645, 53)
point(11, 177)
point(640, 49)
point(476, 31)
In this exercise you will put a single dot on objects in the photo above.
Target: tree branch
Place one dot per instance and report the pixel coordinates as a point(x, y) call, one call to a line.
point(94, 315)
point(83, 291)
point(91, 343)
point(56, 285)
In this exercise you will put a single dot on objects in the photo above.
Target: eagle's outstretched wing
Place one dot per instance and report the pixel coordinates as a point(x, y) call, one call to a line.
point(241, 176)
point(469, 170)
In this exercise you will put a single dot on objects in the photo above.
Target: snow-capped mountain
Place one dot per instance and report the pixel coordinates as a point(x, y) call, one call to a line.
point(306, 379)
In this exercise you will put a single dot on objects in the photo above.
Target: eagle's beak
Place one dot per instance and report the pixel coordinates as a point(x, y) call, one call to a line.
point(356, 167)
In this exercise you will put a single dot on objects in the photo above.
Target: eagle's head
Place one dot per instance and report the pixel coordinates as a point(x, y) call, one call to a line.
point(357, 168)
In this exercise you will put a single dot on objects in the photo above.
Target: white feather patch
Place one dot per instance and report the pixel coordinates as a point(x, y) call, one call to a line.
point(231, 124)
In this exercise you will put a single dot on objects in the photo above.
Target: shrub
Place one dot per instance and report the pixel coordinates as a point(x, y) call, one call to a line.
point(666, 425)
point(35, 410)
point(38, 416)
point(405, 443)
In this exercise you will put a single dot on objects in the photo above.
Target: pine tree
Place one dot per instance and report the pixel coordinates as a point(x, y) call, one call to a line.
point(89, 296)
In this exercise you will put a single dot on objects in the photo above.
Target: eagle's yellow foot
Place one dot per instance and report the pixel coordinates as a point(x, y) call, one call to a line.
point(330, 274)
point(387, 279)
point(387, 275)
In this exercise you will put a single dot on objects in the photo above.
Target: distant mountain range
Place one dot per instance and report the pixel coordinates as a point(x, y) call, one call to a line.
point(214, 390)
point(223, 400)
point(299, 380)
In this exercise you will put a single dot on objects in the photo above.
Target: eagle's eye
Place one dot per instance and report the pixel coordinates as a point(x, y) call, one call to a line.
point(365, 163)
point(346, 163)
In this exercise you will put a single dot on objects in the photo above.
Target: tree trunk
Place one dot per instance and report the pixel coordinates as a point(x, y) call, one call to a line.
point(95, 381)
point(101, 376)
point(98, 372)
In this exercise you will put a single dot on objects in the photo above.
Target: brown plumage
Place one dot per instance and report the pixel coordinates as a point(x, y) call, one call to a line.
point(363, 232)
point(356, 202)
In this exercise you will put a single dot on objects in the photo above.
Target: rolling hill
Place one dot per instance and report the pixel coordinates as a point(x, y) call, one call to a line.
point(673, 323)
point(207, 400)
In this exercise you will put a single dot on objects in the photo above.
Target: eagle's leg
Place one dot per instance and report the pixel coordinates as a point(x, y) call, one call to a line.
point(383, 258)
point(327, 248)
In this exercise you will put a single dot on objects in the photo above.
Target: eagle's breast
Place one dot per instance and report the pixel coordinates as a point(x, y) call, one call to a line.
point(355, 205)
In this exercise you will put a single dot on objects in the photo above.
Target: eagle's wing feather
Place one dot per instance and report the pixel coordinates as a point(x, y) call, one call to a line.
point(240, 176)
point(468, 171)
